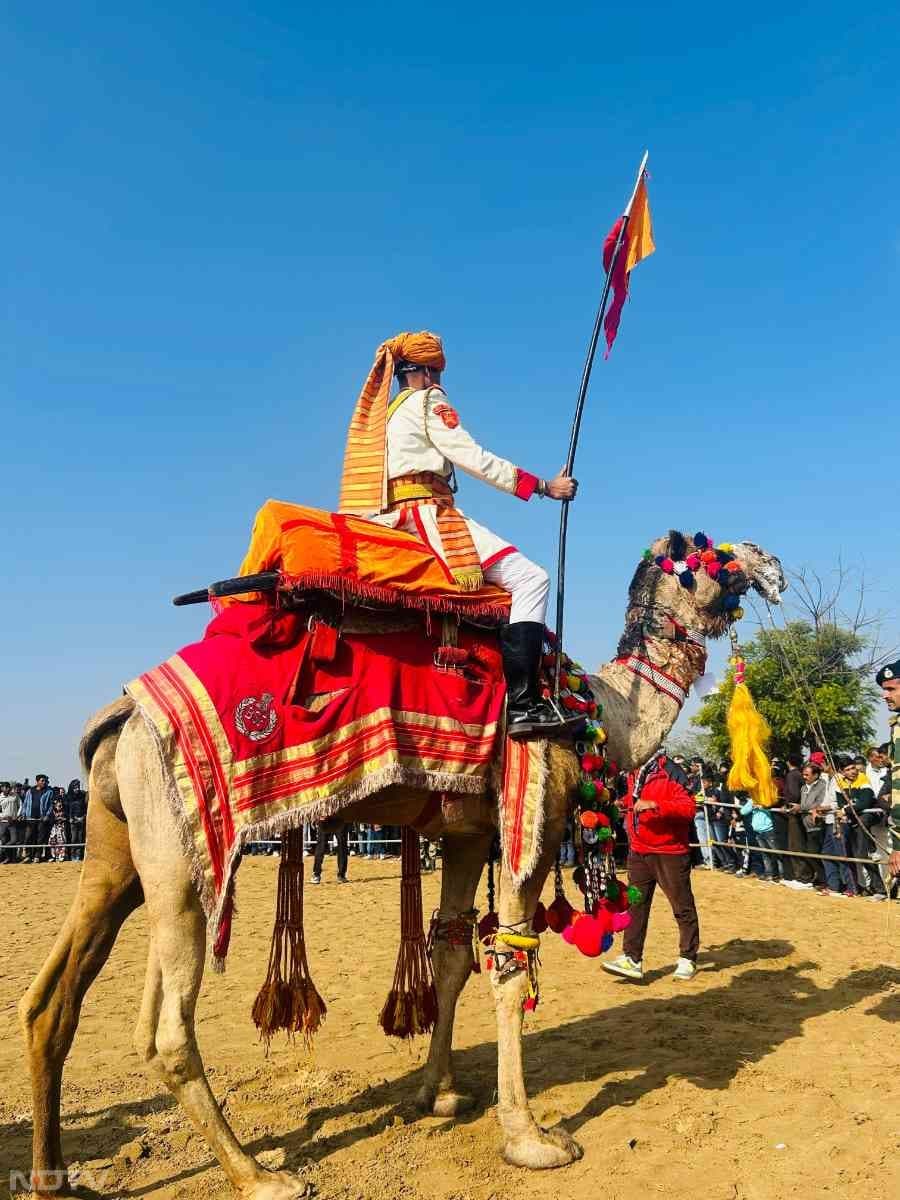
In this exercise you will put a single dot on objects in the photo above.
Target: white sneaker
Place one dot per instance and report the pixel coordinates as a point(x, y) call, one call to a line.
point(802, 887)
point(877, 896)
point(625, 966)
point(684, 969)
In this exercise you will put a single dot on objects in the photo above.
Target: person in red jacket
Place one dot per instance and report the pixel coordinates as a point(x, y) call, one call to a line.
point(659, 810)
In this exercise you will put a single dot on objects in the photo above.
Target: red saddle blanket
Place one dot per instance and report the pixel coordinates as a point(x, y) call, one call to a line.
point(267, 723)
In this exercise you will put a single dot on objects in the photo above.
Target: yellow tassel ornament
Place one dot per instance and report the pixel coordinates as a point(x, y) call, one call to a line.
point(751, 770)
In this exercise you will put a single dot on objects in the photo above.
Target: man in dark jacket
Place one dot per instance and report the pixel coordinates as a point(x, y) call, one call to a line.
point(802, 873)
point(659, 812)
point(76, 812)
point(37, 813)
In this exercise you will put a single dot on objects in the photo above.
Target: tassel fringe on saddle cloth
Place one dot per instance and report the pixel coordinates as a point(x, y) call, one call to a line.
point(267, 723)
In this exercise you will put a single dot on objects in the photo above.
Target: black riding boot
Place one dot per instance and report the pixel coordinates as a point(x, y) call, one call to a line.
point(527, 714)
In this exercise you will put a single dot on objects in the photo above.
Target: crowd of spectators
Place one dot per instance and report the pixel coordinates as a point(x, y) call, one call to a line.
point(836, 812)
point(40, 823)
point(832, 808)
point(43, 823)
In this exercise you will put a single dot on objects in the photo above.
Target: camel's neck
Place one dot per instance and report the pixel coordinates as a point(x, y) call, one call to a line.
point(637, 714)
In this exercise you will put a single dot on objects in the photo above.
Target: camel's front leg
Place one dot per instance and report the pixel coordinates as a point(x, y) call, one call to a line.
point(463, 863)
point(525, 1144)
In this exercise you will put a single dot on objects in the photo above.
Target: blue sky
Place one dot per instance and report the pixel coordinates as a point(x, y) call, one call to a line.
point(214, 213)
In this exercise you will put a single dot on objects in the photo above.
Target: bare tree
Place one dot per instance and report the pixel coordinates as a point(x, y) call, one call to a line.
point(838, 604)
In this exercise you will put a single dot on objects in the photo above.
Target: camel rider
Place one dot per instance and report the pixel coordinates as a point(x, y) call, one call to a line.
point(888, 679)
point(399, 470)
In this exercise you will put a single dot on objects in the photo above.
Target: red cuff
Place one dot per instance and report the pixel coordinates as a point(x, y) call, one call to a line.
point(526, 483)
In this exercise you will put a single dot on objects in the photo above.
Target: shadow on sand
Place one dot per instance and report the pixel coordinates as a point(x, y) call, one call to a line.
point(652, 1039)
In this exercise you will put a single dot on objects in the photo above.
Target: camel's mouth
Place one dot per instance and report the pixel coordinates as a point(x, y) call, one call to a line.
point(765, 572)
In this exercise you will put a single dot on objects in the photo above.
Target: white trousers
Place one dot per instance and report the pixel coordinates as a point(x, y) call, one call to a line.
point(526, 582)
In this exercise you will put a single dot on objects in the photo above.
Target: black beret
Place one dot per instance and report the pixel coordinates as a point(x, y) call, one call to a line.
point(888, 671)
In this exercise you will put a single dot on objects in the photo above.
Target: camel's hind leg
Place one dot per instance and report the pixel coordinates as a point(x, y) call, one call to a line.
point(108, 891)
point(165, 1035)
point(463, 863)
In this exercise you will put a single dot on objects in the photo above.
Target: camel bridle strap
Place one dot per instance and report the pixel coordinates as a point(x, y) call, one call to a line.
point(662, 625)
point(663, 683)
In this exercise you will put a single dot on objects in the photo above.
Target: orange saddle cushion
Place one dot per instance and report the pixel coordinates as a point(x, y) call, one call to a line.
point(361, 559)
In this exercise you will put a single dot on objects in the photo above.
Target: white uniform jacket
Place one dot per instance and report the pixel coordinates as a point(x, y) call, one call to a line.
point(424, 434)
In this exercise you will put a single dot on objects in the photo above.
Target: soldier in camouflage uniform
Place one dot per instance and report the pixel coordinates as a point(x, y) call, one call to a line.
point(888, 679)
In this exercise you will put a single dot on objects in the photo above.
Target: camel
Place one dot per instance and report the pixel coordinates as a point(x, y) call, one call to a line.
point(134, 856)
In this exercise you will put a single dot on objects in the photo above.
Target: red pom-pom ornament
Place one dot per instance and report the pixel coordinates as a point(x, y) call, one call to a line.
point(559, 914)
point(488, 925)
point(588, 936)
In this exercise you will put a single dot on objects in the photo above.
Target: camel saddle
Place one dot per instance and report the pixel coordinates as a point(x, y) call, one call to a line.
point(295, 551)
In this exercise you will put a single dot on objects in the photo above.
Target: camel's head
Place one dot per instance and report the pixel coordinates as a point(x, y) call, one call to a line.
point(700, 585)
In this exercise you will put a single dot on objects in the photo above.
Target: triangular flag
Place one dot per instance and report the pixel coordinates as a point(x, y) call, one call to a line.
point(637, 244)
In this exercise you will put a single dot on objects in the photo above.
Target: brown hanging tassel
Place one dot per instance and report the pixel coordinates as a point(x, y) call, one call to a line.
point(411, 1006)
point(288, 999)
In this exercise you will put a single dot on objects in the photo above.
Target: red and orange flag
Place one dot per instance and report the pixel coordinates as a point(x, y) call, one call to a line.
point(637, 243)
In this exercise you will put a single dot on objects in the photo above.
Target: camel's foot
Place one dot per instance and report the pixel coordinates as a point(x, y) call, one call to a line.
point(446, 1102)
point(274, 1185)
point(46, 1184)
point(542, 1149)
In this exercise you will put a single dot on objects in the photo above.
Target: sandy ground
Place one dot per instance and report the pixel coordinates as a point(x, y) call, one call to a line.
point(775, 1073)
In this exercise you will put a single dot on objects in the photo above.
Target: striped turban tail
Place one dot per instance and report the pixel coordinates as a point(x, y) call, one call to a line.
point(364, 481)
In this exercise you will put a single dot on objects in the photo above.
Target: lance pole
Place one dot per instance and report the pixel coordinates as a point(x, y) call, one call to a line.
point(576, 425)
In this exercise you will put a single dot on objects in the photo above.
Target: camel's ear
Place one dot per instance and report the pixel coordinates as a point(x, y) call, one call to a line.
point(676, 546)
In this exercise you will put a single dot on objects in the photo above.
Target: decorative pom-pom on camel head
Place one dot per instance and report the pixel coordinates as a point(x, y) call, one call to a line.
point(702, 582)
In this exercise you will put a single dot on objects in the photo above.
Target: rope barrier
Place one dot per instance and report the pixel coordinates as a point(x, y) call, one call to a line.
point(256, 842)
point(754, 849)
point(744, 846)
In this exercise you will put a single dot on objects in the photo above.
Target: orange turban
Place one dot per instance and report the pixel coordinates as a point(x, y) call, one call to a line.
point(364, 482)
